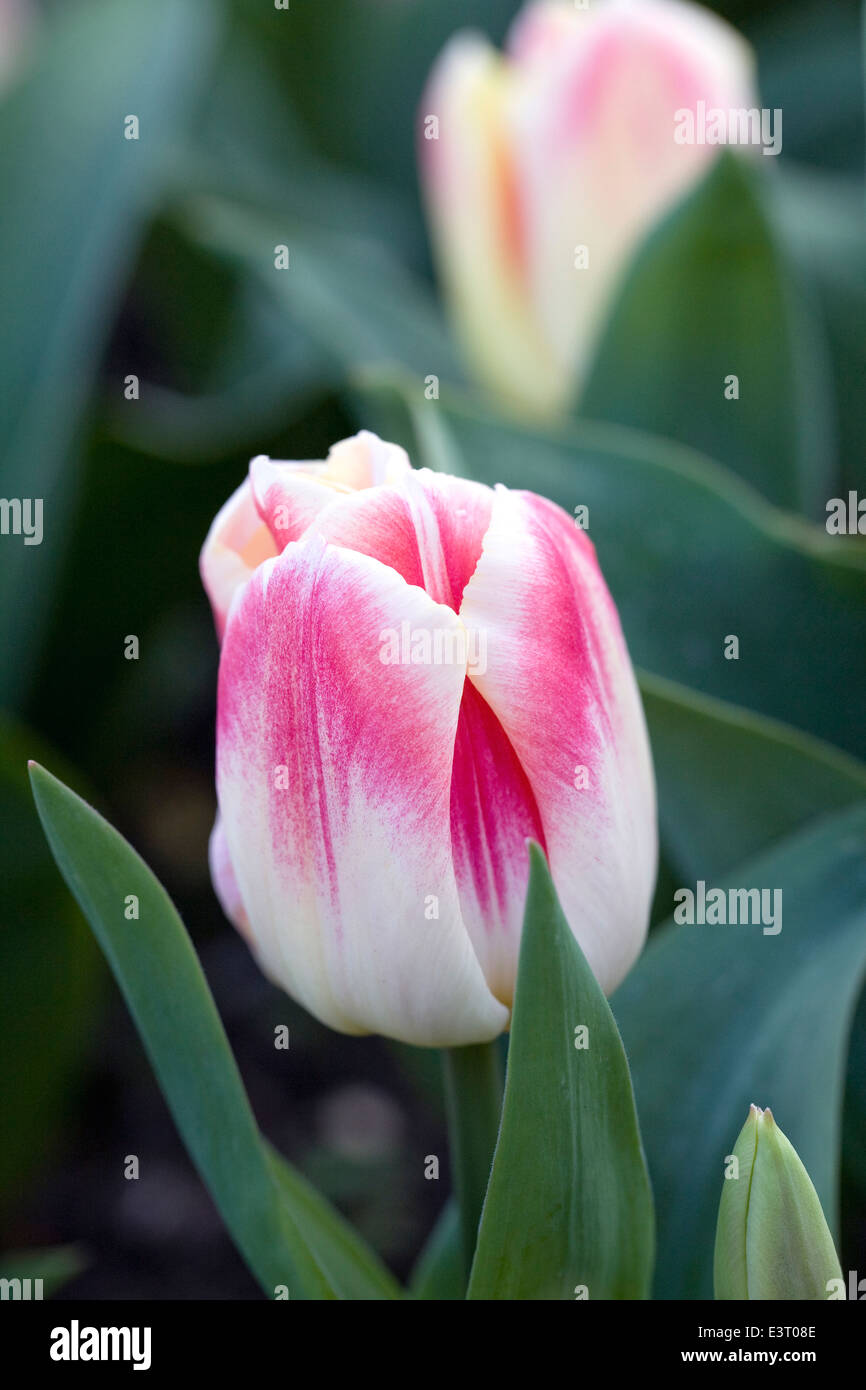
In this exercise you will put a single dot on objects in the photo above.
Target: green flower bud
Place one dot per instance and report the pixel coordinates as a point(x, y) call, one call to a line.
point(772, 1241)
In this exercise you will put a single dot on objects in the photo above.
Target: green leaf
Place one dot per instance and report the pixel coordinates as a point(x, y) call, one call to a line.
point(666, 521)
point(274, 1219)
point(714, 1017)
point(439, 1273)
point(569, 1200)
point(710, 295)
point(75, 196)
point(51, 980)
point(344, 1258)
point(732, 783)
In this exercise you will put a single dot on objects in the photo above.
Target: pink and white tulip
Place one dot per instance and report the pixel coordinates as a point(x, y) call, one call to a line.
point(544, 168)
point(374, 811)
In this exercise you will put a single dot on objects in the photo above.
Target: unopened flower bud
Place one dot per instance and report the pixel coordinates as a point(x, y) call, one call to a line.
point(772, 1241)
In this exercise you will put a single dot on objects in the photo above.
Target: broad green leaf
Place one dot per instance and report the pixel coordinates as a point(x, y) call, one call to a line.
point(569, 1200)
point(710, 296)
point(732, 783)
point(75, 196)
point(690, 553)
point(715, 1017)
point(274, 1220)
point(50, 984)
point(439, 1273)
point(55, 1265)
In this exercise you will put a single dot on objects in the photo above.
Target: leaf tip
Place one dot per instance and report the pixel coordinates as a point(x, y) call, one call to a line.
point(537, 857)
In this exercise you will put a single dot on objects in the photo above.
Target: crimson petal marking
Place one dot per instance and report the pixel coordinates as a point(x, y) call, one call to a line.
point(493, 813)
point(333, 777)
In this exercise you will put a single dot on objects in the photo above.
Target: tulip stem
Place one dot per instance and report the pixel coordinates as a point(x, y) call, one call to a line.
point(473, 1102)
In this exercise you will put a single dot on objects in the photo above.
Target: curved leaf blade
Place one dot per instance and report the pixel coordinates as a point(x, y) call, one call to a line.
point(732, 783)
point(439, 1272)
point(342, 1255)
point(274, 1220)
point(569, 1201)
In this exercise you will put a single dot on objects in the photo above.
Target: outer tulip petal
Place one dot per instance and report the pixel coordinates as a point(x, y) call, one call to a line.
point(559, 680)
point(224, 881)
point(236, 544)
point(333, 776)
point(429, 528)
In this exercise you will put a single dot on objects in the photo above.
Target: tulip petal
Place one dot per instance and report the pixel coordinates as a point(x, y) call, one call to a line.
point(236, 544)
point(225, 883)
point(365, 460)
point(559, 680)
point(333, 777)
point(429, 528)
point(290, 495)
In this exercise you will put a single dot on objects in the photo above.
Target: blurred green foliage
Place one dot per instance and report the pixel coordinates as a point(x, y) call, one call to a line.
point(155, 258)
